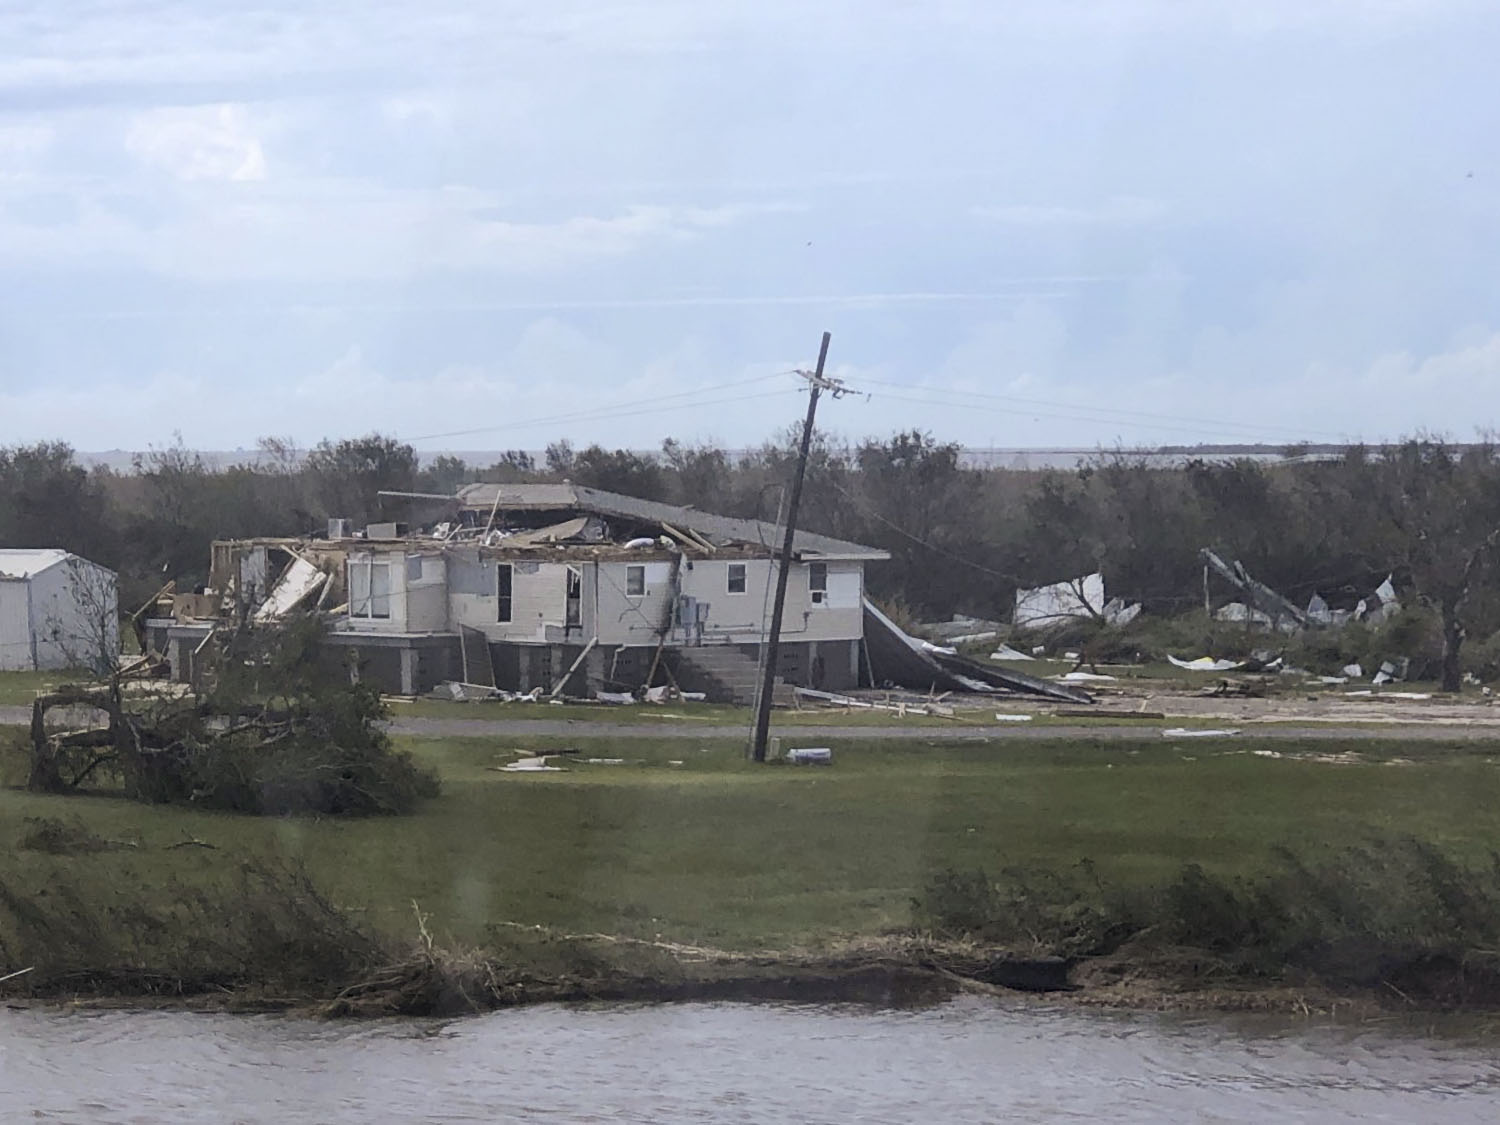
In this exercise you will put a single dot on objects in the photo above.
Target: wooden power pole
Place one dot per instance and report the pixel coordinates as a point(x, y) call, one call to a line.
point(817, 383)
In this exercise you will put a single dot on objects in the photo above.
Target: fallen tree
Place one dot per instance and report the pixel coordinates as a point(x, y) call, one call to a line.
point(275, 727)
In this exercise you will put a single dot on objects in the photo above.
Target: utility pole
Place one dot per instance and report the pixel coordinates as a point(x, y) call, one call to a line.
point(816, 383)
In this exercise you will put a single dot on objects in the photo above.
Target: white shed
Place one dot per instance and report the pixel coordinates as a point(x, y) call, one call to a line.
point(56, 611)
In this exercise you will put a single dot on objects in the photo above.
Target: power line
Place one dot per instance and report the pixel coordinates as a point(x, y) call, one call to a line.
point(1105, 413)
point(1226, 429)
point(611, 409)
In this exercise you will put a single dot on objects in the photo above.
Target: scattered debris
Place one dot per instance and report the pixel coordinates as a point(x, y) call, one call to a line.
point(1266, 606)
point(529, 765)
point(1353, 671)
point(1204, 664)
point(1242, 689)
point(810, 756)
point(1061, 602)
point(1118, 614)
point(1093, 713)
point(1005, 652)
point(1238, 613)
point(899, 707)
point(1082, 677)
point(1197, 732)
point(897, 658)
point(298, 582)
point(1003, 717)
point(961, 630)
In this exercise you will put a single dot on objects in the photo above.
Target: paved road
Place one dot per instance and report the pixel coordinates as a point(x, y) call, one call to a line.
point(896, 732)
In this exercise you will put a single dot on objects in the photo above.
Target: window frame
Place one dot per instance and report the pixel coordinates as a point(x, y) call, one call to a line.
point(572, 596)
point(505, 593)
point(817, 583)
point(635, 570)
point(744, 577)
point(369, 608)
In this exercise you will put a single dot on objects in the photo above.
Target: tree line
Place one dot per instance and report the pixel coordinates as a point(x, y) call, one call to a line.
point(961, 539)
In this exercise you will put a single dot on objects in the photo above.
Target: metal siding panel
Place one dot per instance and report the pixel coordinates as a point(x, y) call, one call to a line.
point(15, 626)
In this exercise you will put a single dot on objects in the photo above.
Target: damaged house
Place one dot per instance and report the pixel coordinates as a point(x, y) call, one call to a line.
point(557, 587)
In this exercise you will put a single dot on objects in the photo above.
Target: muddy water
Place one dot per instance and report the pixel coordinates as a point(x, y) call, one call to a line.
point(967, 1061)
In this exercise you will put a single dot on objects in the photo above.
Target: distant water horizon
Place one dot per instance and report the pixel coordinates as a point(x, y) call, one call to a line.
point(984, 457)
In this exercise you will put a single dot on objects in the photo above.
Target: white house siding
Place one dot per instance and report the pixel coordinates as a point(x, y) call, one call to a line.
point(426, 593)
point(624, 619)
point(418, 594)
point(539, 593)
point(733, 618)
point(460, 589)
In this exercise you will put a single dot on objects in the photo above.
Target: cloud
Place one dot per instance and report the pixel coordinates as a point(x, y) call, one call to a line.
point(198, 143)
point(1120, 211)
point(22, 145)
point(225, 224)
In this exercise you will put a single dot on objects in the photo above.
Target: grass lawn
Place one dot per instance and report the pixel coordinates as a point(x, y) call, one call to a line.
point(721, 852)
point(20, 688)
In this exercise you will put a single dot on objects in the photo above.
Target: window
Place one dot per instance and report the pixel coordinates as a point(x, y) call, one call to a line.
point(635, 581)
point(574, 615)
point(414, 568)
point(817, 583)
point(369, 588)
point(736, 583)
point(502, 591)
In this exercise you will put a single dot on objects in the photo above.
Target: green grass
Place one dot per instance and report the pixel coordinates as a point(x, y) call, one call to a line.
point(721, 852)
point(20, 688)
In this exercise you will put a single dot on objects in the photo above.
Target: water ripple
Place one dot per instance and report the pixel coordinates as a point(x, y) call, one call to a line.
point(967, 1061)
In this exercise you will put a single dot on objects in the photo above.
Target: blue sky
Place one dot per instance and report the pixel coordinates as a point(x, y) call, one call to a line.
point(1028, 223)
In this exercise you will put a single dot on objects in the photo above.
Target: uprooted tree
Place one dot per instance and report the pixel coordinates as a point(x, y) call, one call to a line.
point(276, 727)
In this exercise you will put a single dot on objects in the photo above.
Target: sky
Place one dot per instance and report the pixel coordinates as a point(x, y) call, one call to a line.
point(492, 225)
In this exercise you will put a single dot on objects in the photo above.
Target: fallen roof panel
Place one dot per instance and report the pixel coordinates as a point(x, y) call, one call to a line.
point(898, 658)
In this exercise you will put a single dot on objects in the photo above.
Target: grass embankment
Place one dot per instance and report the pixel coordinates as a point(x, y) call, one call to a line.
point(18, 689)
point(716, 852)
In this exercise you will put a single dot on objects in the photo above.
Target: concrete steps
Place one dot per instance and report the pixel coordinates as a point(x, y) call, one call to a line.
point(724, 673)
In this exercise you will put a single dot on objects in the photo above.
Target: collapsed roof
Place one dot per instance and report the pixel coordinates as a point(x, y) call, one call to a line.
point(498, 502)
